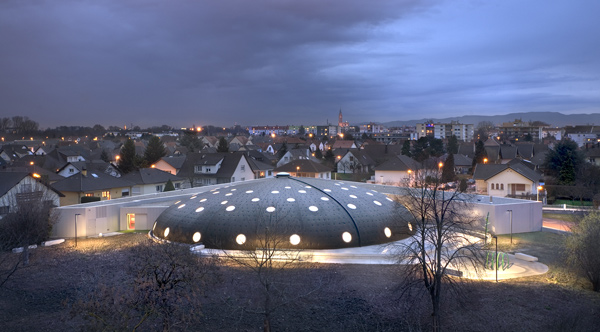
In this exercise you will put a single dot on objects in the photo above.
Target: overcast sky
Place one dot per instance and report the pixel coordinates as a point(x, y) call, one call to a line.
point(250, 62)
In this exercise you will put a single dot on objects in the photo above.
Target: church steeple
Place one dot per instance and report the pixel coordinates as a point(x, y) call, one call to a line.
point(340, 121)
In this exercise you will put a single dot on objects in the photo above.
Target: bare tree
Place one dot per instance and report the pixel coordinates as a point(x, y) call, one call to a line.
point(163, 288)
point(441, 245)
point(269, 257)
point(28, 222)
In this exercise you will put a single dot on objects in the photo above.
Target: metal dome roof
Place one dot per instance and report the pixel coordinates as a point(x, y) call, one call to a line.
point(305, 213)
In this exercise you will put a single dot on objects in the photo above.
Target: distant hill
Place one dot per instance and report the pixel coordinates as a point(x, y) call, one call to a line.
point(555, 119)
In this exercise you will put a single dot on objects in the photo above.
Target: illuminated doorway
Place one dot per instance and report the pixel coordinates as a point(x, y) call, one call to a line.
point(131, 221)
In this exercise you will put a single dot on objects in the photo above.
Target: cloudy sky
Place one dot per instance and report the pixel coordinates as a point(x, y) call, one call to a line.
point(251, 62)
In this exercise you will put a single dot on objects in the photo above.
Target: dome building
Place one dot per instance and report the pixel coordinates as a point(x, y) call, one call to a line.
point(297, 213)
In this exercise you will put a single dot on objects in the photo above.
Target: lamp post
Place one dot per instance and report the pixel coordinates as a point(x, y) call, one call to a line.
point(538, 193)
point(496, 257)
point(510, 211)
point(485, 160)
point(76, 214)
point(297, 171)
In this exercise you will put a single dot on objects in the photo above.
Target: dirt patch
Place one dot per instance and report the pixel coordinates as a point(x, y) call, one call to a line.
point(349, 297)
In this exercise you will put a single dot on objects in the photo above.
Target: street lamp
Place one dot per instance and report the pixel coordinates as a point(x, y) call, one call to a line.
point(485, 160)
point(297, 171)
point(496, 257)
point(538, 193)
point(510, 211)
point(76, 214)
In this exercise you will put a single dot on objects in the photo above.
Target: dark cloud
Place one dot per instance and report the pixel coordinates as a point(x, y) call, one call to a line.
point(276, 62)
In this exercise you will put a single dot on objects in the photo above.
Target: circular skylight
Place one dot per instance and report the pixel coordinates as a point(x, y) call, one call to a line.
point(313, 208)
point(351, 206)
point(230, 208)
point(295, 239)
point(271, 209)
point(240, 239)
point(196, 237)
point(347, 237)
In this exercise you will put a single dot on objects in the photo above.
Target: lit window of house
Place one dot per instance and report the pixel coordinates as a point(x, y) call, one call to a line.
point(106, 194)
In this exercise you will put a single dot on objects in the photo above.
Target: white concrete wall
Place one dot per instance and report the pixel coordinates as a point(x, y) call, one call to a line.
point(150, 213)
point(391, 177)
point(507, 178)
point(527, 215)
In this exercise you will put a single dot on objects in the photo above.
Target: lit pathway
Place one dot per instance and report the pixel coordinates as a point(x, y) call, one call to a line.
point(383, 254)
point(557, 225)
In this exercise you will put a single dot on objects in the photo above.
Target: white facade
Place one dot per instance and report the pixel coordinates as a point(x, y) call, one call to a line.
point(582, 138)
point(396, 178)
point(27, 185)
point(463, 132)
point(506, 183)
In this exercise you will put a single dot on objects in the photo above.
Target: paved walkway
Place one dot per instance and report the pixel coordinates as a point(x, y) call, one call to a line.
point(557, 225)
point(383, 254)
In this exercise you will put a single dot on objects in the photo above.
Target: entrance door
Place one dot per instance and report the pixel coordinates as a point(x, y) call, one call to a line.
point(131, 221)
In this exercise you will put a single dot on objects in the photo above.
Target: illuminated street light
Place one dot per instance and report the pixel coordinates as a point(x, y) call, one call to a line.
point(538, 193)
point(485, 160)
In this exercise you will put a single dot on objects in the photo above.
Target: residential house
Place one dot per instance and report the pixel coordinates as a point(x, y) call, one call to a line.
point(294, 154)
point(462, 163)
point(214, 168)
point(356, 161)
point(305, 168)
point(171, 164)
point(12, 152)
point(398, 170)
point(72, 168)
point(512, 179)
point(151, 180)
point(18, 187)
point(592, 154)
point(343, 144)
point(91, 184)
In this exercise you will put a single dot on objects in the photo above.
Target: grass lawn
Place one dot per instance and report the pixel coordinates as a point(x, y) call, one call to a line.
point(573, 203)
point(561, 216)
